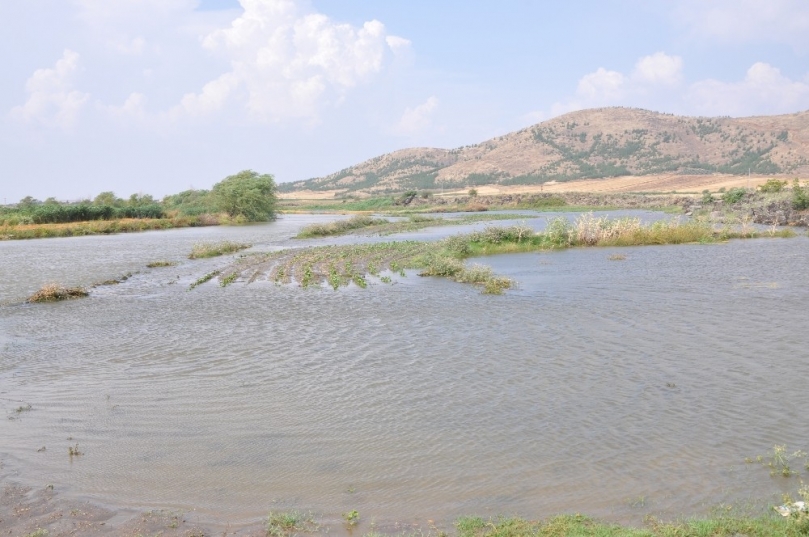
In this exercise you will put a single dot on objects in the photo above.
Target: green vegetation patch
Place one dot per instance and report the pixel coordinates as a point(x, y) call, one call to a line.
point(206, 278)
point(214, 249)
point(339, 265)
point(288, 523)
point(582, 526)
point(340, 227)
point(160, 264)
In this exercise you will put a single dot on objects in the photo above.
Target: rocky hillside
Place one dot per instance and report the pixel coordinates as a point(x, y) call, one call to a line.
point(604, 142)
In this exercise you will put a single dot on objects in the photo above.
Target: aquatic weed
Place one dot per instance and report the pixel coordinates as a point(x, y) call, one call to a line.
point(229, 279)
point(203, 279)
point(214, 249)
point(285, 523)
point(53, 292)
point(352, 518)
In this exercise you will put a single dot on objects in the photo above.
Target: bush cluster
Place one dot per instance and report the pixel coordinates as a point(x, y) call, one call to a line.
point(800, 196)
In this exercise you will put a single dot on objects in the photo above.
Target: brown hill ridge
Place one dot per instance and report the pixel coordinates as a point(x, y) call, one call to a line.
point(597, 143)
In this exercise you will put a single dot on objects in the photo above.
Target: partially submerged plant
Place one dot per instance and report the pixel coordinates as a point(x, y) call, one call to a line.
point(340, 265)
point(229, 279)
point(352, 518)
point(340, 226)
point(286, 523)
point(158, 264)
point(208, 277)
point(214, 249)
point(779, 460)
point(53, 292)
point(73, 451)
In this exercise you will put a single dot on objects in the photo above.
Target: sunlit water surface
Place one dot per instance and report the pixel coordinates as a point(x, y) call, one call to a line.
point(614, 388)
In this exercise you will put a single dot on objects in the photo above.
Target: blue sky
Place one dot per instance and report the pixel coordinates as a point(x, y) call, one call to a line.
point(157, 96)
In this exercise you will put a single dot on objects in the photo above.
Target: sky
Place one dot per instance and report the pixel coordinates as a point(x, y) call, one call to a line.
point(159, 96)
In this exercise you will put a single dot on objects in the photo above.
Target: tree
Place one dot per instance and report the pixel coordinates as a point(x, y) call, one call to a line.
point(28, 202)
point(107, 198)
point(247, 195)
point(139, 200)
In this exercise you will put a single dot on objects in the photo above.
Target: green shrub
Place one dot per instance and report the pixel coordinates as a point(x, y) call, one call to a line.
point(558, 232)
point(773, 185)
point(734, 195)
point(800, 196)
point(706, 196)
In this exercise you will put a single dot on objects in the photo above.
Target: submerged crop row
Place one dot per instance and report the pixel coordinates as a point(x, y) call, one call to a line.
point(340, 265)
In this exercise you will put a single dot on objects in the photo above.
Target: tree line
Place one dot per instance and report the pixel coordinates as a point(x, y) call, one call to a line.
point(244, 197)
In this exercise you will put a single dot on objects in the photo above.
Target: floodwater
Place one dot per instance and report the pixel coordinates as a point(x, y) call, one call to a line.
point(612, 388)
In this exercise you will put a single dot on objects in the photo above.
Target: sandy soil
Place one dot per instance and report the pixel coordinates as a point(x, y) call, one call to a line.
point(27, 512)
point(40, 512)
point(631, 183)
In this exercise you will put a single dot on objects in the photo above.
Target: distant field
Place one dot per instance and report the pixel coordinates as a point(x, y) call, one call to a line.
point(631, 183)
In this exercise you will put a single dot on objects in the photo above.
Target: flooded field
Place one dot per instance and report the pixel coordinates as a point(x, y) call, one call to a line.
point(616, 388)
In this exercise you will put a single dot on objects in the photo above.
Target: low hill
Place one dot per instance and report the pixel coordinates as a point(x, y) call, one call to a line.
point(589, 144)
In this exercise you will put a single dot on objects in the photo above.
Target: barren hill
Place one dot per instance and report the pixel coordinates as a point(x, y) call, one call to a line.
point(590, 144)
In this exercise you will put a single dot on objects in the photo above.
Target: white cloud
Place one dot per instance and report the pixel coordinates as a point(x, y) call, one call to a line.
point(417, 119)
point(51, 97)
point(602, 85)
point(292, 61)
point(134, 46)
point(652, 74)
point(133, 108)
point(656, 83)
point(212, 98)
point(764, 90)
point(783, 21)
point(659, 68)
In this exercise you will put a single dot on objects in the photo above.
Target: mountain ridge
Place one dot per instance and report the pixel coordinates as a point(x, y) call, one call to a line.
point(589, 144)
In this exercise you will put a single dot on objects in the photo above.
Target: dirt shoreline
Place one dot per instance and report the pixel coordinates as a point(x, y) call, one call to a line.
point(24, 511)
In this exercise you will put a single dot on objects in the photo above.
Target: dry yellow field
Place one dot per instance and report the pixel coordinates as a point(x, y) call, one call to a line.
point(630, 183)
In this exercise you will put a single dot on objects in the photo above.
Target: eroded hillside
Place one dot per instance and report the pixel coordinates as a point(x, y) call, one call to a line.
point(605, 142)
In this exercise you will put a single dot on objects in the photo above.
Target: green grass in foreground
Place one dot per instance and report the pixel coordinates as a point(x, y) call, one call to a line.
point(582, 526)
point(340, 265)
point(214, 249)
point(288, 523)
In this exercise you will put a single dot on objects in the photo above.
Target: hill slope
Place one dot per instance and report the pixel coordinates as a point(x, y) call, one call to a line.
point(604, 142)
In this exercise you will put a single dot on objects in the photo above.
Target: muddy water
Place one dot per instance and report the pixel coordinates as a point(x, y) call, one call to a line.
point(615, 388)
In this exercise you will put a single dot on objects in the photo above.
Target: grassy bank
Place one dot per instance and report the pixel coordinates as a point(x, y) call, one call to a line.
point(289, 523)
point(581, 526)
point(102, 227)
point(578, 525)
point(382, 226)
point(340, 265)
